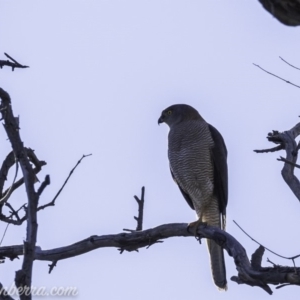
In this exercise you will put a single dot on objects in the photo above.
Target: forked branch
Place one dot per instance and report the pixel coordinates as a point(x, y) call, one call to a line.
point(11, 125)
point(286, 141)
point(11, 63)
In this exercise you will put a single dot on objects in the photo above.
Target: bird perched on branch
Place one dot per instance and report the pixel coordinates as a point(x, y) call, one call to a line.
point(198, 163)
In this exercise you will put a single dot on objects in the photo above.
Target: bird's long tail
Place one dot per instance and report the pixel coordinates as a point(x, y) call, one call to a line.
point(217, 262)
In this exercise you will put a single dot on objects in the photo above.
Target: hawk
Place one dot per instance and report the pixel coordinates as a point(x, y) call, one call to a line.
point(198, 164)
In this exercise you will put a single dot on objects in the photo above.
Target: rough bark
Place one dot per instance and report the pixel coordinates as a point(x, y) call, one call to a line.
point(11, 124)
point(250, 273)
point(286, 141)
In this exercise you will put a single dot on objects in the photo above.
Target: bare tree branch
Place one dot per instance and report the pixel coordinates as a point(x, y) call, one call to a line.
point(10, 190)
point(4, 234)
point(261, 245)
point(140, 217)
point(13, 212)
point(52, 203)
point(23, 277)
point(9, 161)
point(3, 294)
point(52, 266)
point(288, 63)
point(277, 148)
point(13, 63)
point(277, 76)
point(43, 185)
point(251, 274)
point(289, 162)
point(287, 141)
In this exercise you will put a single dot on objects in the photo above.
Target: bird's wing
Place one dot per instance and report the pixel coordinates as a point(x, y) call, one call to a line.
point(219, 159)
point(185, 195)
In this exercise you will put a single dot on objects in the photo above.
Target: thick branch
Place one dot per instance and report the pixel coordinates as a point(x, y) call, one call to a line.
point(251, 274)
point(3, 294)
point(11, 125)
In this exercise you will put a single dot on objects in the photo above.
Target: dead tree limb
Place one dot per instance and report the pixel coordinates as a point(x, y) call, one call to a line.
point(286, 141)
point(140, 218)
point(9, 161)
point(3, 294)
point(248, 273)
point(23, 277)
point(13, 63)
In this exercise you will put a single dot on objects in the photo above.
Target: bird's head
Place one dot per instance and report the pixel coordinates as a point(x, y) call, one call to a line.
point(177, 113)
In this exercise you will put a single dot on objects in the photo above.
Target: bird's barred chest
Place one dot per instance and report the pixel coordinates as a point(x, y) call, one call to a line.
point(190, 160)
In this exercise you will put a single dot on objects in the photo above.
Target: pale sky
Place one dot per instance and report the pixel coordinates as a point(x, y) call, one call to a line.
point(100, 74)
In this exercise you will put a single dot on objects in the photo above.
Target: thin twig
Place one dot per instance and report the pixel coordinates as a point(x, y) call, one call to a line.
point(282, 285)
point(10, 190)
point(12, 59)
point(291, 258)
point(277, 148)
point(51, 266)
point(13, 212)
point(288, 63)
point(21, 180)
point(289, 162)
point(52, 203)
point(9, 161)
point(269, 261)
point(4, 233)
point(277, 76)
point(11, 221)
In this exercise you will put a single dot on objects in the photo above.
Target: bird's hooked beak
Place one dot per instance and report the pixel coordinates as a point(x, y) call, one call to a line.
point(161, 119)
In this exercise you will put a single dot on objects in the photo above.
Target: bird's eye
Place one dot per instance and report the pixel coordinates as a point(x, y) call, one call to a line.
point(169, 112)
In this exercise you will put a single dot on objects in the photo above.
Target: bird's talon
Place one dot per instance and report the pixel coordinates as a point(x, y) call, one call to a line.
point(188, 228)
point(198, 239)
point(195, 226)
point(204, 224)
